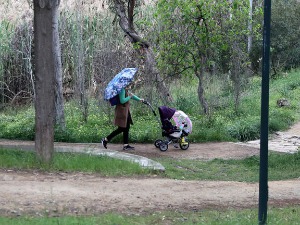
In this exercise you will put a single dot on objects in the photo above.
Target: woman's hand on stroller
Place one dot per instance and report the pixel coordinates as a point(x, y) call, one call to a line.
point(144, 101)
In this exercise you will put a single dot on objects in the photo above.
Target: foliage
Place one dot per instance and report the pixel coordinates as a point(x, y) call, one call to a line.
point(285, 34)
point(285, 31)
point(225, 124)
point(177, 32)
point(198, 36)
point(187, 35)
point(18, 124)
point(245, 129)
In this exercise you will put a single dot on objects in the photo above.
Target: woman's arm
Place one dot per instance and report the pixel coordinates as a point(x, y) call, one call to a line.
point(134, 97)
point(124, 99)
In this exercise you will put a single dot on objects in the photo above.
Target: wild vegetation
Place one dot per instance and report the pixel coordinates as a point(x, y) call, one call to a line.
point(223, 125)
point(92, 56)
point(201, 55)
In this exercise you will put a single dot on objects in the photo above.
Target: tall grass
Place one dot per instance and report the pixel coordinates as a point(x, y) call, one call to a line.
point(93, 50)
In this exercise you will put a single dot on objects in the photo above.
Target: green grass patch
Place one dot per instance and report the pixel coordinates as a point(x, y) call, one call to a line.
point(71, 162)
point(281, 166)
point(276, 216)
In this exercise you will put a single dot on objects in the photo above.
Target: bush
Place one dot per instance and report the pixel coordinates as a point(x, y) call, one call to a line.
point(245, 129)
point(224, 124)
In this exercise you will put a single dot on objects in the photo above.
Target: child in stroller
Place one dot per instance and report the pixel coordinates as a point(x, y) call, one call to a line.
point(174, 133)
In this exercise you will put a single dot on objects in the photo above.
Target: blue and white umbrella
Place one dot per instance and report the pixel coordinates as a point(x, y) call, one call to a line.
point(121, 80)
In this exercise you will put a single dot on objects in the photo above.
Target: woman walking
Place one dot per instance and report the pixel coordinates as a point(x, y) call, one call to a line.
point(122, 119)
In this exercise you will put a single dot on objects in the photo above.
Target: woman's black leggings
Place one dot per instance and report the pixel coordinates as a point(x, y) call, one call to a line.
point(119, 130)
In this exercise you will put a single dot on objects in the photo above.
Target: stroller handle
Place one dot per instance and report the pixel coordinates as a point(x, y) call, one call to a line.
point(147, 103)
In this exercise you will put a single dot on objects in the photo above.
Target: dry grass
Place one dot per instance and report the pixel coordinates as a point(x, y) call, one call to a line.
point(13, 10)
point(20, 9)
point(16, 10)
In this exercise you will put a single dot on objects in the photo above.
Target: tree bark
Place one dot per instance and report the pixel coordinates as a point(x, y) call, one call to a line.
point(250, 25)
point(127, 25)
point(45, 79)
point(80, 69)
point(59, 100)
point(201, 95)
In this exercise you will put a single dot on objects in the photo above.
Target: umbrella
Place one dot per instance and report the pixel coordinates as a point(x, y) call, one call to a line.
point(180, 117)
point(121, 80)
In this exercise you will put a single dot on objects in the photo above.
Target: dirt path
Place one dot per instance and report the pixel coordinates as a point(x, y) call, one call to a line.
point(57, 194)
point(34, 193)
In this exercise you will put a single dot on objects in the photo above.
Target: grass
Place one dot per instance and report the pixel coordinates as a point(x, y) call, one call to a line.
point(277, 216)
point(281, 166)
point(71, 162)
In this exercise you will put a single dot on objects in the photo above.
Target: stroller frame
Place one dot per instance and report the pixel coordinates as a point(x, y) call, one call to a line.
point(171, 134)
point(182, 141)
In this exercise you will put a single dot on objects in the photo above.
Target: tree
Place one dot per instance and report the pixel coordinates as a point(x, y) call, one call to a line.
point(198, 37)
point(188, 33)
point(285, 29)
point(250, 25)
point(44, 11)
point(238, 38)
point(59, 99)
point(126, 22)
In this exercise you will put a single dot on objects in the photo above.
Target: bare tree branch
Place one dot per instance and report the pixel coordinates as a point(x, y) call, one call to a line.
point(126, 23)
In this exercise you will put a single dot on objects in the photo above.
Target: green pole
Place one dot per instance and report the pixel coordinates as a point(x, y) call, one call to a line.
point(263, 173)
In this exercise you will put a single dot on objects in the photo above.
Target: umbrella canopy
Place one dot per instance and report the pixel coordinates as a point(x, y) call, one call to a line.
point(180, 117)
point(121, 80)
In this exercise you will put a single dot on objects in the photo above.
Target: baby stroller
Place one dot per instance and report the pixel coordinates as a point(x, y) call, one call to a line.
point(176, 134)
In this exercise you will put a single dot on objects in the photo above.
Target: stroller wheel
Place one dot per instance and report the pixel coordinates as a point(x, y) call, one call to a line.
point(163, 146)
point(157, 143)
point(184, 144)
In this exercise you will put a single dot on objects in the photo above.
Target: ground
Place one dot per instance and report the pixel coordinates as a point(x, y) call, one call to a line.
point(37, 193)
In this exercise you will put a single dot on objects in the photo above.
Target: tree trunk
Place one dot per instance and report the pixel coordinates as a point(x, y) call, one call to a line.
point(59, 100)
point(250, 25)
point(201, 97)
point(126, 23)
point(80, 69)
point(45, 79)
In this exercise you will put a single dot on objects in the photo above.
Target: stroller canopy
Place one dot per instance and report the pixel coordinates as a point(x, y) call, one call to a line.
point(180, 117)
point(166, 112)
point(177, 115)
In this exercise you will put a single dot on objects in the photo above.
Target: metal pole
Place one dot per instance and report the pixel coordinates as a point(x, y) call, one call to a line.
point(263, 174)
